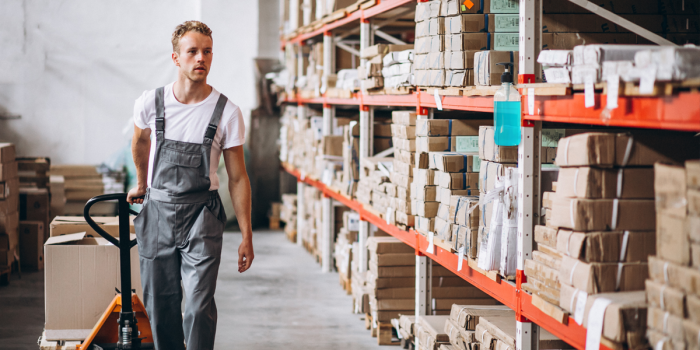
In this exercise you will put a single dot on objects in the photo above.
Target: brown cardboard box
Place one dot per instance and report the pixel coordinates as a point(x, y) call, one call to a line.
point(460, 59)
point(424, 177)
point(667, 323)
point(81, 274)
point(34, 205)
point(444, 195)
point(393, 259)
point(405, 157)
point(401, 180)
point(62, 225)
point(586, 182)
point(670, 190)
point(57, 191)
point(602, 277)
point(452, 162)
point(625, 318)
point(403, 168)
point(421, 160)
point(426, 193)
point(691, 330)
point(671, 299)
point(691, 304)
point(444, 212)
point(407, 145)
point(425, 225)
point(684, 278)
point(672, 241)
point(547, 275)
point(383, 49)
point(372, 83)
point(490, 172)
point(332, 145)
point(586, 149)
point(504, 329)
point(546, 235)
point(607, 246)
point(394, 304)
point(692, 171)
point(425, 209)
point(388, 245)
point(31, 244)
point(604, 214)
point(426, 144)
point(8, 171)
point(459, 211)
point(405, 219)
point(7, 153)
point(553, 261)
point(468, 41)
point(443, 229)
point(449, 127)
point(403, 117)
point(489, 150)
point(467, 316)
point(403, 131)
point(458, 181)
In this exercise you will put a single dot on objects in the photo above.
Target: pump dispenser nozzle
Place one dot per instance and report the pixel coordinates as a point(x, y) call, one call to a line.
point(507, 76)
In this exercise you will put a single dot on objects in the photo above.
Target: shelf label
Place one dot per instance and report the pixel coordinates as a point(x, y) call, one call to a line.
point(468, 144)
point(460, 258)
point(595, 323)
point(613, 91)
point(647, 80)
point(431, 246)
point(389, 216)
point(438, 101)
point(531, 101)
point(589, 93)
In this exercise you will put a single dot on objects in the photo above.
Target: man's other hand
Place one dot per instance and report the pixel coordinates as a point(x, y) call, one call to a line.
point(133, 196)
point(245, 255)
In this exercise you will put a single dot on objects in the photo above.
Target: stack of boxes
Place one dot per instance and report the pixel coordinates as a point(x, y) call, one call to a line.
point(351, 154)
point(673, 319)
point(448, 34)
point(430, 332)
point(461, 325)
point(605, 213)
point(403, 132)
point(288, 215)
point(374, 187)
point(499, 333)
point(9, 206)
point(347, 236)
point(83, 182)
point(398, 69)
point(440, 171)
point(372, 79)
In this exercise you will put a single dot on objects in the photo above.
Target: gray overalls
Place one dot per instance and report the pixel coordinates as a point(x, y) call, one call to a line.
point(179, 233)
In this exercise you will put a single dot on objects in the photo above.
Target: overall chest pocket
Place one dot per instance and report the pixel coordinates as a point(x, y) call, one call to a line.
point(181, 158)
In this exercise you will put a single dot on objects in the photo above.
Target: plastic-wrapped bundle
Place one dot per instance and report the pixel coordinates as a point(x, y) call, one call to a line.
point(490, 249)
point(509, 244)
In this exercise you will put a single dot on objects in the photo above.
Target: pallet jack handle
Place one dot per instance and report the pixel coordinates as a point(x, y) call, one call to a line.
point(128, 331)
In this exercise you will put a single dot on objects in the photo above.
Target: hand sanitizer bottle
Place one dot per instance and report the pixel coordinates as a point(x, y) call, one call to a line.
point(506, 111)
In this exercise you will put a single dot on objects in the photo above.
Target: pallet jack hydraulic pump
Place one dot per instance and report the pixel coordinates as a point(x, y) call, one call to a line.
point(118, 328)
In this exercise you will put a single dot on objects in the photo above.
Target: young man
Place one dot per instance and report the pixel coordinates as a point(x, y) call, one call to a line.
point(180, 227)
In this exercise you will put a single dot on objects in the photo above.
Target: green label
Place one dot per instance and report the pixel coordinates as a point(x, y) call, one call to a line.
point(467, 144)
point(506, 42)
point(464, 8)
point(505, 6)
point(476, 165)
point(507, 23)
point(551, 137)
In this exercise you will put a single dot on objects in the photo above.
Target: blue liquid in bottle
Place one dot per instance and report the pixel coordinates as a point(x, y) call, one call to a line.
point(507, 123)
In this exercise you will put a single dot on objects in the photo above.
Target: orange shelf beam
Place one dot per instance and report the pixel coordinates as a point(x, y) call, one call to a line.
point(679, 112)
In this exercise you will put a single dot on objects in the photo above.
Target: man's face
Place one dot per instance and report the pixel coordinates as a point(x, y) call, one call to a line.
point(194, 58)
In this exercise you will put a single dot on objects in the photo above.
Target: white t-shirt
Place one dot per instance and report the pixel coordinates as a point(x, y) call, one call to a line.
point(188, 123)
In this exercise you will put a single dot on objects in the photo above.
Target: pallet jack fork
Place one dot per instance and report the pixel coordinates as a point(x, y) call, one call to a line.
point(118, 326)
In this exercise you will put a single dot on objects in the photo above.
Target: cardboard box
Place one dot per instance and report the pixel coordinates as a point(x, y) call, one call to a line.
point(459, 78)
point(425, 209)
point(466, 317)
point(455, 7)
point(467, 237)
point(81, 274)
point(8, 171)
point(403, 117)
point(401, 180)
point(692, 172)
point(490, 172)
point(393, 259)
point(603, 277)
point(421, 160)
point(604, 214)
point(625, 318)
point(444, 212)
point(405, 157)
point(424, 224)
point(424, 177)
point(402, 168)
point(426, 144)
point(488, 23)
point(489, 150)
point(426, 193)
point(7, 153)
point(62, 225)
point(586, 182)
point(449, 127)
point(487, 71)
point(437, 43)
point(458, 181)
point(671, 299)
point(443, 229)
point(684, 278)
point(436, 60)
point(460, 59)
point(670, 190)
point(608, 149)
point(372, 83)
point(468, 42)
point(403, 131)
point(31, 244)
point(547, 275)
point(504, 330)
point(407, 145)
point(672, 240)
point(546, 235)
point(436, 26)
point(451, 162)
point(383, 49)
point(606, 246)
point(34, 205)
point(444, 195)
point(459, 211)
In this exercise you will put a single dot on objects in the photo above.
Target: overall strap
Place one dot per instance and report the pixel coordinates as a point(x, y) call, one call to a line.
point(215, 118)
point(160, 110)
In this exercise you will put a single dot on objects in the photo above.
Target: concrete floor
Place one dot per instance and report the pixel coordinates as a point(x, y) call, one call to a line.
point(283, 301)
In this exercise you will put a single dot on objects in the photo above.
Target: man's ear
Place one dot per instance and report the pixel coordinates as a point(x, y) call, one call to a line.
point(176, 59)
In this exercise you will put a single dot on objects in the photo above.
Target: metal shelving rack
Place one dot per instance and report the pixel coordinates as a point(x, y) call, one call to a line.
point(680, 112)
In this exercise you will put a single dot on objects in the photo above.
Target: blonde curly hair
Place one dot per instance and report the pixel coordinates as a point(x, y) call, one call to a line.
point(189, 26)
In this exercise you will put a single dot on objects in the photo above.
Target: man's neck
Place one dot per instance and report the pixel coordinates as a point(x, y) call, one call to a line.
point(187, 91)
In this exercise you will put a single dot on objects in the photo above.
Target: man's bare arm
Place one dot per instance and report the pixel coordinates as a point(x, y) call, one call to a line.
point(239, 189)
point(140, 149)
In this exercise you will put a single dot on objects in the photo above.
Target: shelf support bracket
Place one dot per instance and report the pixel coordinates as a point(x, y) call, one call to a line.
point(423, 287)
point(301, 216)
point(530, 42)
point(347, 48)
point(388, 37)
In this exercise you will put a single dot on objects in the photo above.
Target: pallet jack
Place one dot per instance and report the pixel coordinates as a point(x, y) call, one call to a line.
point(118, 326)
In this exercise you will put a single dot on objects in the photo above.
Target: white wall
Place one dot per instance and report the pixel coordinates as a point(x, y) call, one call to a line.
point(72, 69)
